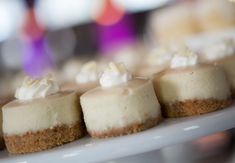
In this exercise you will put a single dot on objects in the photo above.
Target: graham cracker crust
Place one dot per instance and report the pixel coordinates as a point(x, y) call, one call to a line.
point(193, 107)
point(134, 128)
point(42, 140)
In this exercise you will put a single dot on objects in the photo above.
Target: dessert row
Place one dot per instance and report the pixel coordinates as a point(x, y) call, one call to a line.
point(177, 22)
point(114, 102)
point(219, 51)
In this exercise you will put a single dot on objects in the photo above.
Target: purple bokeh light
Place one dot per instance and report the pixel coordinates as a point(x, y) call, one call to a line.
point(36, 57)
point(116, 35)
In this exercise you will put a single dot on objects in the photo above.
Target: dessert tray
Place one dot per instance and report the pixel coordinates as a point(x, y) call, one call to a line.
point(169, 132)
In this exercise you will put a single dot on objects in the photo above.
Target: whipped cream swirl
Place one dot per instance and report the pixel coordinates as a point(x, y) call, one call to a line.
point(88, 73)
point(184, 57)
point(219, 49)
point(36, 88)
point(114, 75)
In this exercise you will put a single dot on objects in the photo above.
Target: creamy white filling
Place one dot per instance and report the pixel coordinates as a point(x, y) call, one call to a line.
point(36, 88)
point(114, 75)
point(88, 73)
point(184, 58)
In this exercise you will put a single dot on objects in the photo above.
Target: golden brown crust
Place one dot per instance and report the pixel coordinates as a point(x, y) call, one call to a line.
point(134, 128)
point(193, 107)
point(42, 140)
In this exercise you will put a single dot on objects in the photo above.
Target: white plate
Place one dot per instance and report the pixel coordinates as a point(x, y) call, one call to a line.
point(169, 132)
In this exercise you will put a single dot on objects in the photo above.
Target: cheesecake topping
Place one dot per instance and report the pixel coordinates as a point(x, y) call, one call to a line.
point(115, 74)
point(159, 56)
point(184, 57)
point(219, 49)
point(36, 88)
point(88, 73)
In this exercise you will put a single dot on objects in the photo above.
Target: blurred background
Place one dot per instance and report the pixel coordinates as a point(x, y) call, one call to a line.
point(42, 36)
point(39, 36)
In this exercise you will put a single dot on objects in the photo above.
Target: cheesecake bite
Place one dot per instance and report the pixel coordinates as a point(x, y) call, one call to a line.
point(3, 101)
point(41, 117)
point(121, 105)
point(86, 79)
point(222, 53)
point(216, 16)
point(156, 61)
point(174, 23)
point(189, 88)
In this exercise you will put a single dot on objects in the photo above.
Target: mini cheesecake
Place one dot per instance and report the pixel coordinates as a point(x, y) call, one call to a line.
point(70, 68)
point(222, 53)
point(228, 65)
point(156, 61)
point(192, 90)
point(173, 24)
point(216, 16)
point(130, 54)
point(120, 107)
point(40, 123)
point(3, 101)
point(86, 79)
point(7, 87)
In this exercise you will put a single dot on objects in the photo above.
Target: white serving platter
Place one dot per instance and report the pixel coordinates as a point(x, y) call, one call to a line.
point(169, 132)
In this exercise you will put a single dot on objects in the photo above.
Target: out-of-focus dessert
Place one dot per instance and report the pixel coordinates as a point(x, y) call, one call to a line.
point(174, 23)
point(41, 117)
point(86, 79)
point(71, 68)
point(222, 53)
point(157, 60)
point(130, 55)
point(122, 105)
point(189, 88)
point(216, 15)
